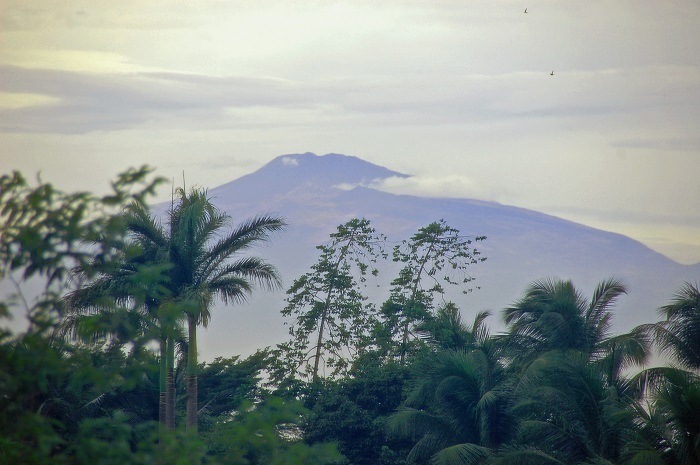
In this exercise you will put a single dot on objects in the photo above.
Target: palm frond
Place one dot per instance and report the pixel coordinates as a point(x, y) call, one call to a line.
point(462, 454)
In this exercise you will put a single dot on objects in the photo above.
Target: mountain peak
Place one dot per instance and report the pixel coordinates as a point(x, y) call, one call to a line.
point(287, 173)
point(330, 169)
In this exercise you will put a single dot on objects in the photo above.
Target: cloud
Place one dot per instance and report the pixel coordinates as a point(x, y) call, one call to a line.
point(662, 143)
point(289, 161)
point(450, 186)
point(87, 101)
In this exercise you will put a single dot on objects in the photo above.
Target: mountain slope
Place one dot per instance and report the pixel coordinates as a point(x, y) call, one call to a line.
point(521, 246)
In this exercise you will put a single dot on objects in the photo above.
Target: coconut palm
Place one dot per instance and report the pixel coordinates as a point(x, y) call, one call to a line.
point(458, 409)
point(679, 334)
point(574, 402)
point(554, 315)
point(206, 265)
point(446, 330)
point(569, 412)
point(669, 426)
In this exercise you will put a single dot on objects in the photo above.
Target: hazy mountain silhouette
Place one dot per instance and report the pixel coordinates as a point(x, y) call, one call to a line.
point(316, 193)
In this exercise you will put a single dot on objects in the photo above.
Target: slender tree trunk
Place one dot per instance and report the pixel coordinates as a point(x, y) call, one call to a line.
point(404, 343)
point(319, 343)
point(412, 301)
point(192, 391)
point(170, 384)
point(326, 307)
point(162, 384)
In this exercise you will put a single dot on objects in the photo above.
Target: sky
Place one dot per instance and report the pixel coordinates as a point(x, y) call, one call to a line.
point(587, 110)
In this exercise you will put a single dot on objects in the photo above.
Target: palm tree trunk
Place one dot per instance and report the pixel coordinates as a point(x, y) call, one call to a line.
point(162, 384)
point(170, 384)
point(192, 392)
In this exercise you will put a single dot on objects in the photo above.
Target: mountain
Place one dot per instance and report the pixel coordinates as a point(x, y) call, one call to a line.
point(317, 193)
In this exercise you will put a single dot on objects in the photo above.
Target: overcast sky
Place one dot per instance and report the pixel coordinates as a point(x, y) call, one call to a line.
point(458, 93)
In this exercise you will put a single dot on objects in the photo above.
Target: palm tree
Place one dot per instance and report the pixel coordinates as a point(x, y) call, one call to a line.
point(205, 266)
point(668, 428)
point(670, 425)
point(679, 334)
point(131, 290)
point(458, 409)
point(569, 412)
point(190, 264)
point(574, 402)
point(553, 315)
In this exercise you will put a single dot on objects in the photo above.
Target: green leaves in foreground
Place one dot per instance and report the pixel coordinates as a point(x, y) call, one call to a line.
point(268, 433)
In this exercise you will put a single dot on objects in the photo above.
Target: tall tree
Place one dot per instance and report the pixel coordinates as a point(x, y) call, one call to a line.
point(332, 318)
point(206, 264)
point(135, 279)
point(47, 379)
point(435, 255)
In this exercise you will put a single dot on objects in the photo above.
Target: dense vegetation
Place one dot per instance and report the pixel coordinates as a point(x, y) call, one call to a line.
point(107, 369)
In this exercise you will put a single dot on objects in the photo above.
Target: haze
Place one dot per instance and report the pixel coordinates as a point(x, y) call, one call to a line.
point(459, 94)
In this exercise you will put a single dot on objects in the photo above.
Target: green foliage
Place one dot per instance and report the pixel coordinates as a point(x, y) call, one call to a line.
point(266, 433)
point(668, 428)
point(43, 228)
point(352, 412)
point(569, 409)
point(84, 386)
point(225, 383)
point(554, 315)
point(48, 384)
point(458, 408)
point(113, 441)
point(66, 402)
point(445, 330)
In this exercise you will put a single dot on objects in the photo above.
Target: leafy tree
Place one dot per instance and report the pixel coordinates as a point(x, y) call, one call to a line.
point(52, 387)
point(226, 383)
point(332, 319)
point(352, 411)
point(44, 230)
point(436, 255)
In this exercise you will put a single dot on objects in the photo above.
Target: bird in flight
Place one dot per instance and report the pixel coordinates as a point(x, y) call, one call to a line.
point(525, 10)
point(552, 73)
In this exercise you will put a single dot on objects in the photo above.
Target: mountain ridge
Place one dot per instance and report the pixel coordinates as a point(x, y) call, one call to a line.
point(522, 245)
